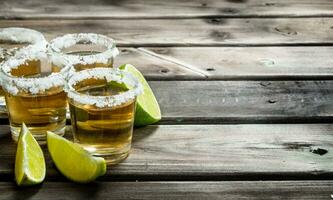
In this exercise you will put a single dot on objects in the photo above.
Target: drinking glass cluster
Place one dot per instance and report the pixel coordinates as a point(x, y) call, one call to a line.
point(40, 79)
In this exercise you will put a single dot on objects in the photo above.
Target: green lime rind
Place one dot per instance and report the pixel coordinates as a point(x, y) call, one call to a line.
point(30, 168)
point(73, 161)
point(147, 109)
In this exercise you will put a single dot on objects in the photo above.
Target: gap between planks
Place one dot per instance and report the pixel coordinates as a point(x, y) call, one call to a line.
point(171, 17)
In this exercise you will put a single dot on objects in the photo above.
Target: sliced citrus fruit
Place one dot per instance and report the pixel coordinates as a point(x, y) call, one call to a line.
point(29, 163)
point(73, 161)
point(147, 109)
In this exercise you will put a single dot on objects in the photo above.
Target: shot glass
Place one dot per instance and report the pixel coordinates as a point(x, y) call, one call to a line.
point(12, 41)
point(83, 51)
point(34, 94)
point(102, 106)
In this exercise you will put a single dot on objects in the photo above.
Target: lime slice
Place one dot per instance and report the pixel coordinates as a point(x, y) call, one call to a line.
point(73, 161)
point(29, 163)
point(147, 109)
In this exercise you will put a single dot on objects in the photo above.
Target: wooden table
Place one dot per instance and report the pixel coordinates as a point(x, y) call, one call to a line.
point(245, 87)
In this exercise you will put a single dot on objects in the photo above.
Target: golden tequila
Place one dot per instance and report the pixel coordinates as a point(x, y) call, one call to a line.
point(30, 69)
point(102, 130)
point(38, 98)
point(79, 67)
point(41, 113)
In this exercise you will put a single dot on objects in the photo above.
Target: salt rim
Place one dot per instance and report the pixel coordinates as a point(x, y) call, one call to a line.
point(68, 40)
point(36, 48)
point(14, 84)
point(21, 35)
point(25, 54)
point(108, 74)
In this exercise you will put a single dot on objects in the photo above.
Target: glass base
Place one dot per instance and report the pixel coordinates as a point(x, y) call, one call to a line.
point(112, 156)
point(39, 135)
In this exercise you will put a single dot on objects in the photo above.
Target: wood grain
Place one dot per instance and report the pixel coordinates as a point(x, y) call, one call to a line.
point(244, 101)
point(154, 68)
point(293, 190)
point(194, 32)
point(238, 52)
point(213, 152)
point(211, 102)
point(159, 9)
point(253, 63)
point(230, 63)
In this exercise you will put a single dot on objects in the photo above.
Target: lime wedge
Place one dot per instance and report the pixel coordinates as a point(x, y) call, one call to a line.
point(73, 161)
point(29, 163)
point(147, 109)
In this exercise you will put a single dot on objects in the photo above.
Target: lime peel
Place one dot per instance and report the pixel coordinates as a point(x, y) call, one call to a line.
point(30, 168)
point(147, 110)
point(73, 161)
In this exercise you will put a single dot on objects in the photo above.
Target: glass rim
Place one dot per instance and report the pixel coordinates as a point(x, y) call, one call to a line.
point(107, 74)
point(58, 44)
point(34, 85)
point(36, 40)
point(23, 35)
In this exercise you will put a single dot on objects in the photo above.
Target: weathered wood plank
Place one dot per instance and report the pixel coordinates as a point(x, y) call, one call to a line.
point(173, 190)
point(194, 32)
point(213, 102)
point(252, 62)
point(213, 152)
point(172, 8)
point(154, 68)
point(244, 101)
point(224, 63)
